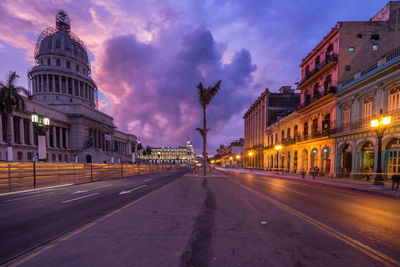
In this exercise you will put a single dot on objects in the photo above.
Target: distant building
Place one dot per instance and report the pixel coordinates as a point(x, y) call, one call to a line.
point(268, 108)
point(231, 155)
point(171, 155)
point(63, 90)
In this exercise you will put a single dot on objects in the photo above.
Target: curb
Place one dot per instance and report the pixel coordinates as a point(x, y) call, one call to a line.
point(373, 192)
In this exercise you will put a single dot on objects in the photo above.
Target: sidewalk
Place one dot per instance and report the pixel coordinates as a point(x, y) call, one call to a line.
point(357, 185)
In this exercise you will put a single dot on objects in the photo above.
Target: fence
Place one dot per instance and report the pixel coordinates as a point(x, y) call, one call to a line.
point(24, 176)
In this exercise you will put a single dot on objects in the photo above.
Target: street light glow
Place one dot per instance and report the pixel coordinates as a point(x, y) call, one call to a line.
point(250, 154)
point(374, 123)
point(278, 147)
point(46, 121)
point(35, 118)
point(237, 156)
point(386, 120)
point(231, 158)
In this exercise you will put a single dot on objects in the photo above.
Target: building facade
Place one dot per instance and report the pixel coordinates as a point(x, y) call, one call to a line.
point(231, 155)
point(171, 155)
point(63, 90)
point(358, 102)
point(306, 139)
point(268, 108)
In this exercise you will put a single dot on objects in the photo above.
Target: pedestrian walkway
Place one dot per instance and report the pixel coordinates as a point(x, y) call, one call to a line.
point(358, 185)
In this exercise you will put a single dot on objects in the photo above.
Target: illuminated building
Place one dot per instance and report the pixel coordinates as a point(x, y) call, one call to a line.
point(173, 155)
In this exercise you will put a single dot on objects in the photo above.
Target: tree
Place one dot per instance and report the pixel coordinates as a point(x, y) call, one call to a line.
point(10, 98)
point(205, 97)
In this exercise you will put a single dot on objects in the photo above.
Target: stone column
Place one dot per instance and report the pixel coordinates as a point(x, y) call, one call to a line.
point(73, 86)
point(60, 137)
point(66, 138)
point(48, 138)
point(42, 83)
point(54, 136)
point(54, 83)
point(66, 85)
point(60, 88)
point(353, 161)
point(21, 131)
point(31, 137)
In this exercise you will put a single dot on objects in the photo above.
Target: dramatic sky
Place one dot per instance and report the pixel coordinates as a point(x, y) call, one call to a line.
point(147, 56)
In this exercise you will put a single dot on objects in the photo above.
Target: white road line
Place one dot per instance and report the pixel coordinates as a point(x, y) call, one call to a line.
point(21, 198)
point(147, 180)
point(70, 200)
point(130, 190)
point(90, 189)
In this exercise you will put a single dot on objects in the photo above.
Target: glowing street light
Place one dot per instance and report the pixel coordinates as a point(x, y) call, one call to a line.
point(42, 124)
point(278, 147)
point(237, 156)
point(250, 154)
point(379, 125)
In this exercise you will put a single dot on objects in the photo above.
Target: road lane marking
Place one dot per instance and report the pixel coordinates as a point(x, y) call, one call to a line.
point(70, 200)
point(147, 180)
point(388, 261)
point(90, 189)
point(24, 258)
point(21, 198)
point(130, 191)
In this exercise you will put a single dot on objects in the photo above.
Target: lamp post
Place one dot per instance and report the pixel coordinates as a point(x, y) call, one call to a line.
point(42, 124)
point(238, 163)
point(379, 125)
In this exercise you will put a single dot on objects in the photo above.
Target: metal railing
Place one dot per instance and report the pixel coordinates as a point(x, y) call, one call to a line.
point(328, 59)
point(31, 175)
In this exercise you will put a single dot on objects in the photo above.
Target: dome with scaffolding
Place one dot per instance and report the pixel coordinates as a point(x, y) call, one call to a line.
point(61, 41)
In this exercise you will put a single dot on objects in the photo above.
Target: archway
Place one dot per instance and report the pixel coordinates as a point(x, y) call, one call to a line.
point(88, 159)
point(295, 161)
point(347, 160)
point(326, 158)
point(314, 158)
point(305, 160)
point(392, 157)
point(288, 161)
point(367, 156)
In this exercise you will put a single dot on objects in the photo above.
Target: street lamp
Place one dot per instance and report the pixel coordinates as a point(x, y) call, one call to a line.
point(42, 124)
point(379, 125)
point(250, 155)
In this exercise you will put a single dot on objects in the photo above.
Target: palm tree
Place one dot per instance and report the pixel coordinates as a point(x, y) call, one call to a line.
point(205, 96)
point(10, 99)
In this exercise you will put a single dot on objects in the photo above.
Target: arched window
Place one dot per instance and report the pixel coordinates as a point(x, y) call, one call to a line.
point(58, 62)
point(49, 61)
point(19, 156)
point(394, 99)
point(367, 104)
point(316, 93)
point(29, 155)
point(66, 158)
point(346, 114)
point(68, 65)
point(59, 158)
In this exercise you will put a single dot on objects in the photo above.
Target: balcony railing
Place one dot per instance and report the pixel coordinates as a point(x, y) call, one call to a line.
point(328, 59)
point(363, 123)
point(308, 100)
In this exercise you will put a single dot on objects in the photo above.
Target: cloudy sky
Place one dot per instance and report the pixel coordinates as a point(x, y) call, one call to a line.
point(147, 56)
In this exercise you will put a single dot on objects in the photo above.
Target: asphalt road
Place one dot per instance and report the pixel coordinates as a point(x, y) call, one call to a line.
point(30, 219)
point(363, 219)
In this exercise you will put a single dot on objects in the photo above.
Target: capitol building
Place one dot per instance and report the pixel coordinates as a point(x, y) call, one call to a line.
point(63, 90)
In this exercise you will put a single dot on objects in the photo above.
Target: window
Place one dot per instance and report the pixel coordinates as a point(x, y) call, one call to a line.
point(316, 93)
point(317, 63)
point(58, 62)
point(68, 65)
point(375, 47)
point(41, 61)
point(347, 68)
point(346, 114)
point(305, 132)
point(359, 36)
point(352, 49)
point(374, 36)
point(77, 67)
point(367, 107)
point(48, 61)
point(394, 99)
